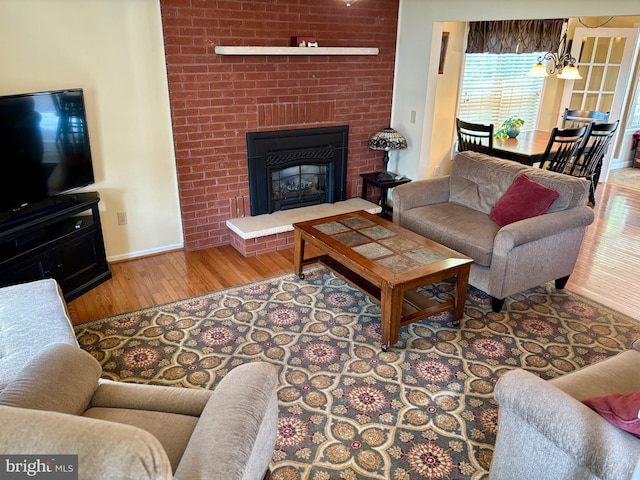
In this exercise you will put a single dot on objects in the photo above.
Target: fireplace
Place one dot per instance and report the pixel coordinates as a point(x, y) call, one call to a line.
point(296, 168)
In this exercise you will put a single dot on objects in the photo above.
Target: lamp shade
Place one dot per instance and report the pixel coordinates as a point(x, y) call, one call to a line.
point(570, 73)
point(538, 70)
point(387, 139)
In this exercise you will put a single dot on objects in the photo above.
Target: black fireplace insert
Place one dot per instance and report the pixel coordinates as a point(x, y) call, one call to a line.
point(296, 168)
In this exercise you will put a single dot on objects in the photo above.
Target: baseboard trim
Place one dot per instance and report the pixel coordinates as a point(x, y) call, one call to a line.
point(145, 253)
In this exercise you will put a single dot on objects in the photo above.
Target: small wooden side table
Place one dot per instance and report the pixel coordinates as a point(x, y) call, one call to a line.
point(370, 179)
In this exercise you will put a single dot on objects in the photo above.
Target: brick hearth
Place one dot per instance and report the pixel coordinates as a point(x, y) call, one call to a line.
point(267, 233)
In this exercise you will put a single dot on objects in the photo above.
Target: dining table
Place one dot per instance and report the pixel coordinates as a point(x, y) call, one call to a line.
point(527, 148)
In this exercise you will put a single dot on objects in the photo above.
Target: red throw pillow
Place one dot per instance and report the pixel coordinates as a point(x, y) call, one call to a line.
point(619, 409)
point(524, 199)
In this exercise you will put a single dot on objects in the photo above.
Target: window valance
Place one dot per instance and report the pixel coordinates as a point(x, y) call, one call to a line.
point(514, 36)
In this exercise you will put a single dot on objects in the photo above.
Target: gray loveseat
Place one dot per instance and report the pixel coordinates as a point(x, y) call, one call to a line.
point(546, 432)
point(454, 210)
point(52, 401)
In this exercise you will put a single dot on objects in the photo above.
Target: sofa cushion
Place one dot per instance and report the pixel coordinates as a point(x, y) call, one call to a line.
point(172, 430)
point(524, 199)
point(573, 190)
point(463, 229)
point(619, 409)
point(32, 315)
point(478, 181)
point(105, 450)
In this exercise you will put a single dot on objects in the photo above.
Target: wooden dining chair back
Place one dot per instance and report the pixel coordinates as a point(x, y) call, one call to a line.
point(593, 148)
point(591, 153)
point(581, 118)
point(562, 149)
point(474, 136)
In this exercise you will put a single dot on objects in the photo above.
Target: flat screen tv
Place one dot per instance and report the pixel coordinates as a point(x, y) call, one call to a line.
point(44, 148)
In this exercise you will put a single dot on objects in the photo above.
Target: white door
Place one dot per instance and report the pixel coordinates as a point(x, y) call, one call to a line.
point(606, 57)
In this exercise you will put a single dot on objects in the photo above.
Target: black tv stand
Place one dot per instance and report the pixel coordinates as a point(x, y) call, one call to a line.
point(61, 239)
point(20, 216)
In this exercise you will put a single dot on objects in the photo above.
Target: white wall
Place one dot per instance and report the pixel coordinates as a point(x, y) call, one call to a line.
point(446, 102)
point(416, 83)
point(114, 50)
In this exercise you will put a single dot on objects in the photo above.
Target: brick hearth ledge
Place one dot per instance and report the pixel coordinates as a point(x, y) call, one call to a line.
point(283, 220)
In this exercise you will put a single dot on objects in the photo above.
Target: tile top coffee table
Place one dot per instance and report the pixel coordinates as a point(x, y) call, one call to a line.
point(386, 261)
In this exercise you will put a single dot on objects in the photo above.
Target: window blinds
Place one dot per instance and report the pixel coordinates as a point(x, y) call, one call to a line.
point(496, 87)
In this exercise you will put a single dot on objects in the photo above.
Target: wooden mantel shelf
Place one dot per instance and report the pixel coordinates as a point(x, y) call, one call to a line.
point(231, 50)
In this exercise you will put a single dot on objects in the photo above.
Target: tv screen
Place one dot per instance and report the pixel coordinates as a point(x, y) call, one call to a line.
point(44, 147)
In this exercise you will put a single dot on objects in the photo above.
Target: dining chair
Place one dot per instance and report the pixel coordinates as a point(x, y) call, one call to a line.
point(589, 158)
point(562, 149)
point(474, 136)
point(581, 118)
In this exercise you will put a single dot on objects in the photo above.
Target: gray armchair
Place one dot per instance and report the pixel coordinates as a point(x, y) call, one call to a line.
point(546, 432)
point(130, 431)
point(454, 211)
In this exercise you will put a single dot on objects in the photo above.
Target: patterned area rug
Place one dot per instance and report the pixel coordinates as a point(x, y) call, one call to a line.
point(348, 410)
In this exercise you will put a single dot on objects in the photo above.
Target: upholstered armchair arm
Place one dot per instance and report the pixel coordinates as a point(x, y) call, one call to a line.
point(562, 434)
point(61, 378)
point(105, 449)
point(536, 228)
point(618, 374)
point(418, 193)
point(236, 434)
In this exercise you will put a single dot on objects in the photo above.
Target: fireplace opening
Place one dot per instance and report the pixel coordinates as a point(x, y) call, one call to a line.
point(302, 185)
point(296, 168)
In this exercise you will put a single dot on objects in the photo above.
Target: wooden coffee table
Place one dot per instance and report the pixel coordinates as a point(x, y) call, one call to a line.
point(387, 262)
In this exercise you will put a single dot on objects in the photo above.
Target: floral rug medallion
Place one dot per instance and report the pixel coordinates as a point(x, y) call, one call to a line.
point(348, 410)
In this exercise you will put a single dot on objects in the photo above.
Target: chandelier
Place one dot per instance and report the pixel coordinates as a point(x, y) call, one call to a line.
point(561, 63)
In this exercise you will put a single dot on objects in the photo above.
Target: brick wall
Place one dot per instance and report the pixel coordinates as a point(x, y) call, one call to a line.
point(216, 100)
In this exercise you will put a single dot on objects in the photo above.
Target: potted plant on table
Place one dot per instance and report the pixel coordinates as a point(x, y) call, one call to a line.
point(510, 128)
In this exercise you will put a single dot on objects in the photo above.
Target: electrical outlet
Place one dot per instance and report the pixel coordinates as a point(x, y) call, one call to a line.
point(122, 218)
point(436, 170)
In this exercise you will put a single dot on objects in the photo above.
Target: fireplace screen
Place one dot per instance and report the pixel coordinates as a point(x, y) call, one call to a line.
point(298, 186)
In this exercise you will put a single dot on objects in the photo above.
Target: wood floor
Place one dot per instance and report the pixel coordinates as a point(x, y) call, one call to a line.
point(607, 271)
point(608, 268)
